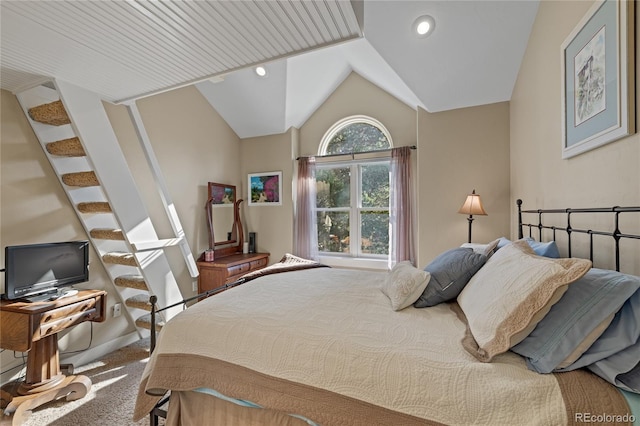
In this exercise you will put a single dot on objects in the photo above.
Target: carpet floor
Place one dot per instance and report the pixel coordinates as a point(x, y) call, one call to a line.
point(111, 399)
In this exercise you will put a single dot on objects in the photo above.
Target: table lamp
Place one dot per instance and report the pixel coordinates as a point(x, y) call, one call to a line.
point(472, 206)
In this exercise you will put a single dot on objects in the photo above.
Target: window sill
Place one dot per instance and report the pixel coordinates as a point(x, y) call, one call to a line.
point(355, 263)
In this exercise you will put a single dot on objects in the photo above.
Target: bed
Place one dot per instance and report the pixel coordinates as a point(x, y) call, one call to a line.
point(501, 333)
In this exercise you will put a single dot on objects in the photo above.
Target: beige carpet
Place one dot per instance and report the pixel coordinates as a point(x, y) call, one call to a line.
point(112, 396)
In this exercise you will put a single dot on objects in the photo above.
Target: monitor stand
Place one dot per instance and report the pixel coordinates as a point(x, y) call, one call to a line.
point(52, 295)
point(39, 297)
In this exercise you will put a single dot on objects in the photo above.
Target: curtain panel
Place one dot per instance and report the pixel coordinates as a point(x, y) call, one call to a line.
point(305, 238)
point(401, 208)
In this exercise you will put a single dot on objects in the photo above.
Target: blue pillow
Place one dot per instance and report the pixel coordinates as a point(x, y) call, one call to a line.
point(502, 241)
point(577, 320)
point(631, 379)
point(621, 369)
point(450, 272)
point(549, 249)
point(622, 337)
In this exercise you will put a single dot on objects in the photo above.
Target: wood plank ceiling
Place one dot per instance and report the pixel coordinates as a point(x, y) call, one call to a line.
point(124, 50)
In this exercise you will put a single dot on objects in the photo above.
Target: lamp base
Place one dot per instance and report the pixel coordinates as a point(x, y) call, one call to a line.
point(470, 219)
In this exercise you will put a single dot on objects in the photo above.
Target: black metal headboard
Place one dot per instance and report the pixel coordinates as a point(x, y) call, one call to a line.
point(614, 233)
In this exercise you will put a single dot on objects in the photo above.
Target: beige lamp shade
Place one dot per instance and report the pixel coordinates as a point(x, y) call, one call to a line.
point(473, 205)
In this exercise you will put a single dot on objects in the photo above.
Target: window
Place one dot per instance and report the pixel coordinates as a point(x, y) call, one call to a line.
point(355, 134)
point(353, 196)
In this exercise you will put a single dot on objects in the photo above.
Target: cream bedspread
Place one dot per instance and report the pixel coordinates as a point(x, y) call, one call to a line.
point(335, 330)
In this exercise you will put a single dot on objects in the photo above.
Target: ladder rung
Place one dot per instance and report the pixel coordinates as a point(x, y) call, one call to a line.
point(155, 245)
point(52, 113)
point(139, 301)
point(66, 148)
point(107, 234)
point(145, 322)
point(94, 207)
point(81, 179)
point(119, 258)
point(131, 281)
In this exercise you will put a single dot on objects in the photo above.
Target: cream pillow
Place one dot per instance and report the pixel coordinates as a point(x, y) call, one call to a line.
point(404, 284)
point(483, 249)
point(510, 294)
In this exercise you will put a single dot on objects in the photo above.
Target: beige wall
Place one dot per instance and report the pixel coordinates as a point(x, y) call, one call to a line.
point(458, 151)
point(451, 160)
point(35, 209)
point(604, 177)
point(357, 96)
point(273, 225)
point(193, 146)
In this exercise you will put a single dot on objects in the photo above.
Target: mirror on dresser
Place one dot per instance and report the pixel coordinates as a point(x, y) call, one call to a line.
point(223, 219)
point(227, 262)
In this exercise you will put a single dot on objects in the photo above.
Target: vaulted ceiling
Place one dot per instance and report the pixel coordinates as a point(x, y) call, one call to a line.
point(125, 50)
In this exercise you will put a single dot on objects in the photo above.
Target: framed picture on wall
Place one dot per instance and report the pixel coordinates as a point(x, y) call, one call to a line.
point(598, 73)
point(265, 189)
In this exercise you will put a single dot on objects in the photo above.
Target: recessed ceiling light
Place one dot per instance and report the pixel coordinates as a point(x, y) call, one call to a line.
point(424, 25)
point(261, 71)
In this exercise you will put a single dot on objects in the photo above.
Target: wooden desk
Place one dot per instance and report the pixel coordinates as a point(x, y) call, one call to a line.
point(33, 328)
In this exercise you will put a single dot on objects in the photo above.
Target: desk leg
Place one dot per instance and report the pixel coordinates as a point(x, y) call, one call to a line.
point(73, 387)
point(43, 366)
point(44, 382)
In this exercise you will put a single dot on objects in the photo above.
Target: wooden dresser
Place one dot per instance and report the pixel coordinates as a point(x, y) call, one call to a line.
point(227, 269)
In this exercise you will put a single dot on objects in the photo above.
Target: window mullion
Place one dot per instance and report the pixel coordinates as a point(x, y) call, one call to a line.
point(356, 202)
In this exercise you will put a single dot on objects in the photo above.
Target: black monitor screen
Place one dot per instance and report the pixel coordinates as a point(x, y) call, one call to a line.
point(38, 268)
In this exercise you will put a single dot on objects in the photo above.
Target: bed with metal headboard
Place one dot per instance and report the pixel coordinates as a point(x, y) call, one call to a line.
point(526, 338)
point(563, 224)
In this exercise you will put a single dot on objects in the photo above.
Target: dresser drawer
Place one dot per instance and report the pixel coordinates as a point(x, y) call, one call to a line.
point(227, 269)
point(58, 319)
point(257, 264)
point(238, 269)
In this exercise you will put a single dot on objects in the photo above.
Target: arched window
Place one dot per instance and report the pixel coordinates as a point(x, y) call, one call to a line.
point(352, 201)
point(358, 133)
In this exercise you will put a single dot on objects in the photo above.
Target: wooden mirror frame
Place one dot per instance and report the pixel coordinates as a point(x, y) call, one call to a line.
point(216, 192)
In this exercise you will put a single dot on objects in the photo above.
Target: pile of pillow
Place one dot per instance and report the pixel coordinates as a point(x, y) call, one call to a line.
point(559, 313)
